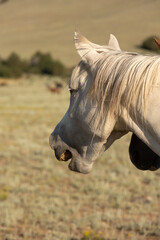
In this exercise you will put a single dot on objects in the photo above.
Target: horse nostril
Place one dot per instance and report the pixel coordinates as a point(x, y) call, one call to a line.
point(60, 149)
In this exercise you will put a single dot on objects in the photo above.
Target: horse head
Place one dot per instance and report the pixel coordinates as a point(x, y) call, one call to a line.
point(108, 95)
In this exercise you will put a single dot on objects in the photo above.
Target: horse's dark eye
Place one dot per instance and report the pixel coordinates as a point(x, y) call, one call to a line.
point(72, 91)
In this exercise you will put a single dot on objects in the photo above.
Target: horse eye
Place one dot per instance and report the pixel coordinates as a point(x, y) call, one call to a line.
point(72, 91)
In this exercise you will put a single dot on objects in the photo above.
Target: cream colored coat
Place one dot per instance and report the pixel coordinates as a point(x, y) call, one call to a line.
point(112, 93)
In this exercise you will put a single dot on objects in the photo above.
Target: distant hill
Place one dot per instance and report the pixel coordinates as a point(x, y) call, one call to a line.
point(27, 26)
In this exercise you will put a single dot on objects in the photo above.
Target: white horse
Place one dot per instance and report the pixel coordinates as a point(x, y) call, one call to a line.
point(112, 93)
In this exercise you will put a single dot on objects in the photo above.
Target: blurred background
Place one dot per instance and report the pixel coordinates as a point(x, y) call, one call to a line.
point(39, 197)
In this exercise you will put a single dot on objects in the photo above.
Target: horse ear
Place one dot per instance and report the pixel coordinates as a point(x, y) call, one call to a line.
point(85, 48)
point(157, 42)
point(113, 42)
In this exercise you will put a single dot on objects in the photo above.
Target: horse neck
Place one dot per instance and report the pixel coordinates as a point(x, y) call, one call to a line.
point(146, 124)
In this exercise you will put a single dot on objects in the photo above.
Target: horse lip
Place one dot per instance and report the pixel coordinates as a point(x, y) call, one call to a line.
point(72, 166)
point(81, 167)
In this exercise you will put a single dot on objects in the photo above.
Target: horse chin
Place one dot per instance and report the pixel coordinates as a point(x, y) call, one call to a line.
point(77, 165)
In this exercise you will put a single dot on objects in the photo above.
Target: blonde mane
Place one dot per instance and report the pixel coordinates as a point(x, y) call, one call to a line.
point(123, 78)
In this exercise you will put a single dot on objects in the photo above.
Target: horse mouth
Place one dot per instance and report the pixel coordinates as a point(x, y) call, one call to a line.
point(65, 156)
point(75, 164)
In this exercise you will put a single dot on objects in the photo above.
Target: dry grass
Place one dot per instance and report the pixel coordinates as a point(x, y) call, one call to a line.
point(27, 25)
point(41, 199)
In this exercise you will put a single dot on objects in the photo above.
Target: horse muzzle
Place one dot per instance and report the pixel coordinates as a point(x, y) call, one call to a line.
point(64, 153)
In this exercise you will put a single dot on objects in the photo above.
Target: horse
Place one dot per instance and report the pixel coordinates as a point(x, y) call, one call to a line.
point(56, 89)
point(157, 42)
point(112, 92)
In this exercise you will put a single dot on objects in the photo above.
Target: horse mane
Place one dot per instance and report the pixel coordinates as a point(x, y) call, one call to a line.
point(123, 78)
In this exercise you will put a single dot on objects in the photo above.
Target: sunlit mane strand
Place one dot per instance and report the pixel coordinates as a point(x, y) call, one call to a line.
point(123, 79)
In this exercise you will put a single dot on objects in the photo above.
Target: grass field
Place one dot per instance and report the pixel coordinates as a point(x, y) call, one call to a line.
point(41, 199)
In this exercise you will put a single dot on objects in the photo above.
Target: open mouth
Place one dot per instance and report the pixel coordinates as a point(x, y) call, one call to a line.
point(76, 164)
point(65, 156)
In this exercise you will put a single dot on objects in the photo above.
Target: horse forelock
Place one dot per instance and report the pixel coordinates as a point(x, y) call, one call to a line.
point(123, 78)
